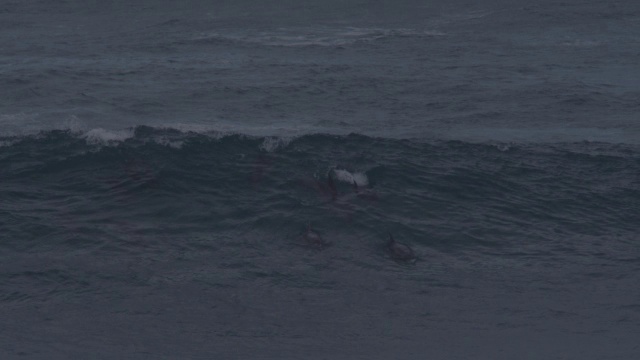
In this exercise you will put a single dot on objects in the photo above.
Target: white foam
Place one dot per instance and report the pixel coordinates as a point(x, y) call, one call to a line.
point(209, 130)
point(74, 125)
point(172, 143)
point(504, 147)
point(101, 136)
point(4, 143)
point(359, 178)
point(272, 143)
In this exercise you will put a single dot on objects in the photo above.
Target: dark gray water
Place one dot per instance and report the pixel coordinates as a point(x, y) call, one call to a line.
point(160, 163)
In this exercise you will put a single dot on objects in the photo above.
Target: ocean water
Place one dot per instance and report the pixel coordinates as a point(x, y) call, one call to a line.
point(161, 162)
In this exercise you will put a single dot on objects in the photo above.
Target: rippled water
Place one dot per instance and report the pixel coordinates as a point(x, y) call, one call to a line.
point(160, 164)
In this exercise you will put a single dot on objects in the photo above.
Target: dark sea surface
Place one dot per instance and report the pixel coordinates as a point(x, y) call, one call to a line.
point(161, 163)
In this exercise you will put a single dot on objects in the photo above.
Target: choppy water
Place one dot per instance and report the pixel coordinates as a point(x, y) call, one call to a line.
point(159, 165)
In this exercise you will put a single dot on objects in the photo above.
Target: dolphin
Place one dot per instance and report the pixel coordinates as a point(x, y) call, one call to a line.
point(313, 238)
point(327, 189)
point(400, 251)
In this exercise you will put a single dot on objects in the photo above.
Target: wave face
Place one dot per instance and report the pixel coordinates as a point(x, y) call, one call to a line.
point(71, 190)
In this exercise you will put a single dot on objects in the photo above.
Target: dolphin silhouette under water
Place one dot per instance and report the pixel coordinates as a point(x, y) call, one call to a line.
point(313, 238)
point(400, 251)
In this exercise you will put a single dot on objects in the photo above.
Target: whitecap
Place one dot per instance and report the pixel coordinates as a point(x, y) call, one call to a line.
point(272, 143)
point(101, 136)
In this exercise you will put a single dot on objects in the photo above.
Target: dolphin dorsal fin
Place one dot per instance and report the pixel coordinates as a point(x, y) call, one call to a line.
point(391, 239)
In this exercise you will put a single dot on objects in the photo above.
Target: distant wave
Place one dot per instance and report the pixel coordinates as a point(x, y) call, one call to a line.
point(315, 36)
point(177, 135)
